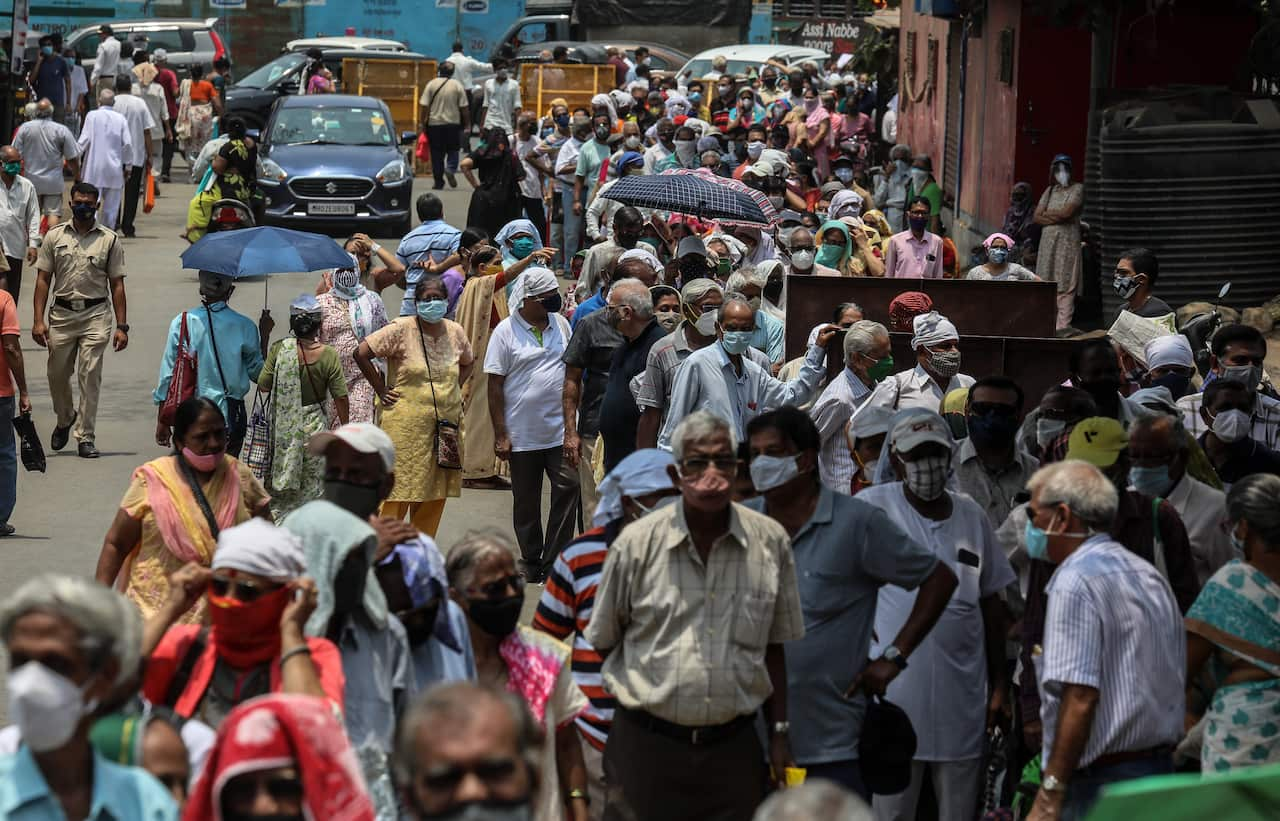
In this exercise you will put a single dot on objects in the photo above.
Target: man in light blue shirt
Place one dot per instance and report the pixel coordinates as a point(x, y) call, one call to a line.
point(768, 334)
point(432, 241)
point(719, 379)
point(71, 642)
point(223, 377)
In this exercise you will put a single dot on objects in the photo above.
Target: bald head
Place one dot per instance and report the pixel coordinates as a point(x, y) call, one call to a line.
point(44, 108)
point(10, 154)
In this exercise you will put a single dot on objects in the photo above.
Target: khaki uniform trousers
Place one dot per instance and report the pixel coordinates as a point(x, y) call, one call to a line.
point(77, 340)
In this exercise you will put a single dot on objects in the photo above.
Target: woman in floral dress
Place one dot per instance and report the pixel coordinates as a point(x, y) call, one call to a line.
point(349, 313)
point(1059, 257)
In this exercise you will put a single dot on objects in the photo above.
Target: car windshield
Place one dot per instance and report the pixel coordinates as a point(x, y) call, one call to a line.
point(272, 71)
point(700, 68)
point(331, 125)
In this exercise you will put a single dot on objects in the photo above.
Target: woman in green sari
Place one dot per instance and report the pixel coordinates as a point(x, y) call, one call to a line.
point(1236, 621)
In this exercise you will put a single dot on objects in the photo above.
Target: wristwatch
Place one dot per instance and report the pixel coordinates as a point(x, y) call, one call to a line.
point(894, 655)
point(1051, 784)
point(781, 727)
point(122, 326)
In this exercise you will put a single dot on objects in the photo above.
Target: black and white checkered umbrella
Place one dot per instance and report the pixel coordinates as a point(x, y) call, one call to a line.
point(698, 193)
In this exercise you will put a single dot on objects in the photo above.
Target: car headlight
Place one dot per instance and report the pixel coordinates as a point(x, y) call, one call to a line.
point(271, 171)
point(394, 171)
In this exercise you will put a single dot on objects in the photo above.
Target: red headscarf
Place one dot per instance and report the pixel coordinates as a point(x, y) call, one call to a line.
point(281, 731)
point(906, 306)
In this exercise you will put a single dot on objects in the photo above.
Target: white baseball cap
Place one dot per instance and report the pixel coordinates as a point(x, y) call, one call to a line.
point(159, 55)
point(916, 430)
point(365, 437)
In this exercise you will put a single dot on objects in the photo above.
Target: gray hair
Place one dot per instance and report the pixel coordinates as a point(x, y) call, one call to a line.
point(818, 798)
point(700, 425)
point(635, 295)
point(106, 97)
point(1157, 423)
point(109, 624)
point(1084, 489)
point(862, 336)
point(695, 289)
point(731, 297)
point(446, 707)
point(746, 276)
point(1256, 499)
point(460, 565)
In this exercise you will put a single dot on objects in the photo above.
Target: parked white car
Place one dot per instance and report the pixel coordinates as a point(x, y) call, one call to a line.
point(740, 58)
point(362, 43)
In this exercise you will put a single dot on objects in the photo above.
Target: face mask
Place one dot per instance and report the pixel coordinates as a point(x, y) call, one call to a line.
point(522, 247)
point(902, 167)
point(46, 706)
point(359, 500)
point(602, 132)
point(668, 320)
point(484, 811)
point(830, 255)
point(927, 478)
point(769, 472)
point(736, 342)
point(686, 150)
point(83, 211)
point(1153, 481)
point(419, 624)
point(917, 223)
point(769, 82)
point(304, 324)
point(1177, 384)
point(497, 617)
point(945, 363)
point(706, 324)
point(726, 91)
point(992, 429)
point(754, 149)
point(562, 120)
point(633, 142)
point(1037, 541)
point(203, 462)
point(46, 50)
point(1047, 430)
point(552, 303)
point(881, 369)
point(1125, 287)
point(919, 178)
point(1063, 177)
point(810, 105)
point(247, 633)
point(1232, 425)
point(845, 175)
point(432, 310)
point(998, 256)
point(13, 169)
point(665, 501)
point(1248, 375)
point(802, 260)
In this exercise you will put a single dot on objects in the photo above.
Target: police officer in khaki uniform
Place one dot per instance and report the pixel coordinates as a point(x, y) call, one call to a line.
point(82, 263)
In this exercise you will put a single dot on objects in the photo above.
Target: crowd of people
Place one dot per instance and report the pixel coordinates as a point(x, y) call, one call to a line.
point(901, 582)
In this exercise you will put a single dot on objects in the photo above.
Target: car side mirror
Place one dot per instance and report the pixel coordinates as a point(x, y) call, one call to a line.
point(408, 137)
point(254, 134)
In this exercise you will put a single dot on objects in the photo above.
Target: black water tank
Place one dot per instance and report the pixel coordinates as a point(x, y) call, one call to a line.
point(1203, 194)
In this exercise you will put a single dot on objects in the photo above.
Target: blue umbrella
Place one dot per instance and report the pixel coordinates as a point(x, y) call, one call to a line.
point(264, 250)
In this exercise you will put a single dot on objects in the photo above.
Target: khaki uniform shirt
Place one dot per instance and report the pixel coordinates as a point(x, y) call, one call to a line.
point(686, 640)
point(447, 99)
point(81, 265)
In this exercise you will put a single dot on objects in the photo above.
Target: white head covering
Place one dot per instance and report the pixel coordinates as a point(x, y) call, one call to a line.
point(1173, 349)
point(644, 471)
point(777, 159)
point(606, 101)
point(931, 329)
point(534, 280)
point(736, 247)
point(675, 99)
point(518, 226)
point(643, 254)
point(259, 547)
point(304, 304)
point(846, 200)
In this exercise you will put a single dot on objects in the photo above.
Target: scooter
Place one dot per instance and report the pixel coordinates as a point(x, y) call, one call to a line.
point(1199, 331)
point(229, 215)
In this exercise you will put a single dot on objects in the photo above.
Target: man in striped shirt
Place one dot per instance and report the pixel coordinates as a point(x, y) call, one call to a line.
point(433, 241)
point(636, 486)
point(1112, 669)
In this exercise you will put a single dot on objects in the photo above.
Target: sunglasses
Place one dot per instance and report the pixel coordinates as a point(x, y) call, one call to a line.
point(496, 589)
point(446, 779)
point(244, 590)
point(243, 790)
point(698, 465)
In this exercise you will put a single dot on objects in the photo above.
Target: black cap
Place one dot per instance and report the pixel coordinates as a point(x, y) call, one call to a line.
point(885, 748)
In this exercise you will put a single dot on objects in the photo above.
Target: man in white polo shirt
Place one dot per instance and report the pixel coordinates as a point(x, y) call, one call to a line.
point(525, 368)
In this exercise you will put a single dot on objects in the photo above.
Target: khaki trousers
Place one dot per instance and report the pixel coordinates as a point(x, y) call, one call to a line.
point(81, 336)
point(587, 480)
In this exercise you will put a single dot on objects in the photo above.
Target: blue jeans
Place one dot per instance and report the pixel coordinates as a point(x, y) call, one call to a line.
point(847, 774)
point(8, 459)
point(572, 222)
point(1087, 783)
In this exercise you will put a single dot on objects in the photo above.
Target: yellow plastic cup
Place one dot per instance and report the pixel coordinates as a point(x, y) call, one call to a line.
point(795, 776)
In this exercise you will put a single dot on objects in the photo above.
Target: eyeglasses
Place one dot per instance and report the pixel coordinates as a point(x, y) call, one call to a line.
point(245, 591)
point(493, 772)
point(496, 589)
point(243, 789)
point(698, 465)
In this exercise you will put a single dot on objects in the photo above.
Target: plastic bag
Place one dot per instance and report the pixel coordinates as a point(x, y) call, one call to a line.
point(150, 201)
point(423, 149)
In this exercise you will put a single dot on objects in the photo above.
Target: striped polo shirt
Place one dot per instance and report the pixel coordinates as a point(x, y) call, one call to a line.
point(565, 609)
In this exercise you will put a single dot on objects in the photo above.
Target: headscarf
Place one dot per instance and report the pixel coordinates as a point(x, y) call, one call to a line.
point(517, 226)
point(605, 101)
point(1173, 349)
point(845, 200)
point(534, 280)
point(778, 111)
point(621, 98)
point(676, 100)
point(304, 304)
point(765, 249)
point(365, 308)
point(1021, 215)
point(644, 255)
point(843, 228)
point(329, 534)
point(643, 471)
point(261, 548)
point(909, 304)
point(422, 566)
point(280, 730)
point(146, 73)
point(736, 247)
point(877, 220)
point(931, 329)
point(494, 142)
point(1008, 240)
point(555, 101)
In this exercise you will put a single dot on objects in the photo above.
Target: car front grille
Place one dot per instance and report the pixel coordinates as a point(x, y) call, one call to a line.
point(325, 188)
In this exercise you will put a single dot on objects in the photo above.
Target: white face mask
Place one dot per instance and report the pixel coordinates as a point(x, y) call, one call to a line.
point(1232, 425)
point(927, 477)
point(46, 706)
point(802, 260)
point(706, 324)
point(919, 178)
point(769, 472)
point(1063, 177)
point(1049, 429)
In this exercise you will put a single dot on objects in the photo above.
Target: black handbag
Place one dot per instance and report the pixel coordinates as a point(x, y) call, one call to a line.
point(32, 451)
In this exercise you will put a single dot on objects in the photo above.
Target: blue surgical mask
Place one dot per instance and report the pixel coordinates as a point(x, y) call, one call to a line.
point(1037, 541)
point(1153, 481)
point(46, 50)
point(998, 256)
point(431, 310)
point(845, 175)
point(737, 342)
point(522, 247)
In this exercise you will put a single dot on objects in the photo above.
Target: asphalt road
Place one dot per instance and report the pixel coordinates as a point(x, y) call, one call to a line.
point(62, 515)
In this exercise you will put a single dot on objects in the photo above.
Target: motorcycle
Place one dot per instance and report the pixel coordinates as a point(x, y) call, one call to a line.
point(1199, 331)
point(229, 215)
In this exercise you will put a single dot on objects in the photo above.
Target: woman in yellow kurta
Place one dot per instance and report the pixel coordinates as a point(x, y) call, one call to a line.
point(161, 525)
point(428, 358)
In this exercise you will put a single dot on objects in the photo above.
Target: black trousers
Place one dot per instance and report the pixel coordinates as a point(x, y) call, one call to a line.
point(13, 279)
point(539, 548)
point(167, 157)
point(132, 193)
point(445, 141)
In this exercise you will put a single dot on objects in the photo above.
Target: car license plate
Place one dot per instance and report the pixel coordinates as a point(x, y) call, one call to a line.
point(331, 208)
